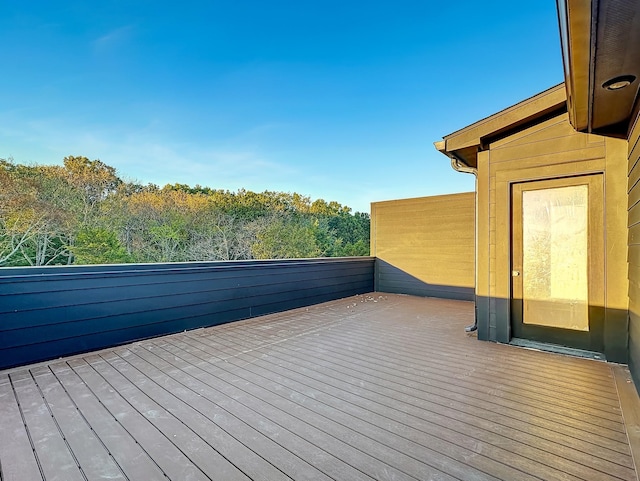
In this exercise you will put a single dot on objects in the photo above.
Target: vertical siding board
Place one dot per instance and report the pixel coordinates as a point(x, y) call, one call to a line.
point(483, 250)
point(502, 262)
point(616, 273)
point(59, 311)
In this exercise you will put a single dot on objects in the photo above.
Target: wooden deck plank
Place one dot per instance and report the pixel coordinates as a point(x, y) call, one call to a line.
point(385, 340)
point(578, 434)
point(468, 388)
point(16, 452)
point(56, 459)
point(456, 351)
point(194, 448)
point(531, 373)
point(229, 447)
point(134, 461)
point(91, 454)
point(247, 406)
point(522, 392)
point(173, 462)
point(350, 397)
point(447, 407)
point(410, 349)
point(586, 458)
point(357, 377)
point(495, 399)
point(411, 331)
point(371, 387)
point(336, 424)
point(292, 454)
point(630, 404)
point(459, 446)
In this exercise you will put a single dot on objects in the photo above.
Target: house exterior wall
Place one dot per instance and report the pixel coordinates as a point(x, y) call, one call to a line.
point(634, 248)
point(425, 246)
point(548, 149)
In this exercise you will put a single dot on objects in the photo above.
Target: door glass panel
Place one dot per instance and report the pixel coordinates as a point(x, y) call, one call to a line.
point(555, 257)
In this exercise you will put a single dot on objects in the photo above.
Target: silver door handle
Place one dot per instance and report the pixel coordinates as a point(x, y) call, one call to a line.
point(515, 273)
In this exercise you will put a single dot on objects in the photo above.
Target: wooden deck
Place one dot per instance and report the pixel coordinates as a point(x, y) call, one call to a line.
point(379, 387)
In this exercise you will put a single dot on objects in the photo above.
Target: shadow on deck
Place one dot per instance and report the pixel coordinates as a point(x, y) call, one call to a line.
point(379, 386)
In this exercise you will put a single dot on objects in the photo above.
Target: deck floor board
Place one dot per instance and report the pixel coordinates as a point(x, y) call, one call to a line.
point(446, 441)
point(91, 454)
point(393, 450)
point(471, 384)
point(449, 422)
point(493, 400)
point(56, 458)
point(373, 387)
point(16, 449)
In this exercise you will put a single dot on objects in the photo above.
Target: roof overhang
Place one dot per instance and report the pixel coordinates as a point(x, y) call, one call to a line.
point(463, 146)
point(600, 42)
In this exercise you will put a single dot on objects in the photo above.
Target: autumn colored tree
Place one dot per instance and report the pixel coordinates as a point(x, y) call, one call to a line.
point(93, 181)
point(35, 227)
point(82, 212)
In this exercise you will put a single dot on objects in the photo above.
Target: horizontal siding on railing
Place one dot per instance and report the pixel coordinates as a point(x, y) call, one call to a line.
point(51, 312)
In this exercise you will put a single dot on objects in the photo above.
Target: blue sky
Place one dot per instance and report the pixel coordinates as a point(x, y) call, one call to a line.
point(340, 100)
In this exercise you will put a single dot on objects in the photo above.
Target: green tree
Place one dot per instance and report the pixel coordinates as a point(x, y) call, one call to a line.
point(284, 237)
point(97, 245)
point(353, 232)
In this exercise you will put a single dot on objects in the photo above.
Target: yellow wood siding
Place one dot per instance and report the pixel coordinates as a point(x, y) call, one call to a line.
point(425, 246)
point(548, 149)
point(533, 149)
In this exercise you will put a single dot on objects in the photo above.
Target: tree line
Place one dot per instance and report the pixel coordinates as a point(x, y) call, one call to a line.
point(82, 212)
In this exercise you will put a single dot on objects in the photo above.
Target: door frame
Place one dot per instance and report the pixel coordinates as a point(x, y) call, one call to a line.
point(593, 339)
point(500, 231)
